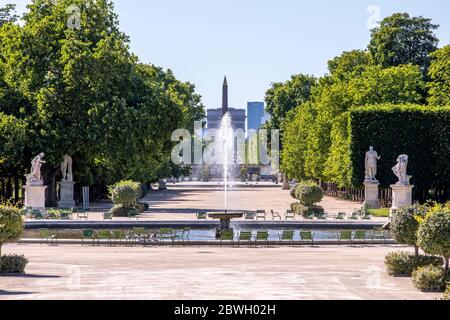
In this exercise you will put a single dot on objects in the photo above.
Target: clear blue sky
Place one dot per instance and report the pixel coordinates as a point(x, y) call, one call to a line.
point(253, 42)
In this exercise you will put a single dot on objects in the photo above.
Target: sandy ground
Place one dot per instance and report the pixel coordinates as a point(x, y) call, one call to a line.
point(75, 272)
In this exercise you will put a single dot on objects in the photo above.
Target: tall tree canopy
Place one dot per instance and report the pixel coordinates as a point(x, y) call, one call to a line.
point(402, 39)
point(439, 73)
point(80, 91)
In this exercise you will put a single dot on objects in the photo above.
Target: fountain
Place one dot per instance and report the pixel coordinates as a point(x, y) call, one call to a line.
point(226, 139)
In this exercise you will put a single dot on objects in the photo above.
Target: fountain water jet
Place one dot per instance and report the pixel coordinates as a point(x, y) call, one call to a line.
point(226, 140)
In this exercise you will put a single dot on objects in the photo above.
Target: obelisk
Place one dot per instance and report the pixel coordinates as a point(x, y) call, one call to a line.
point(224, 97)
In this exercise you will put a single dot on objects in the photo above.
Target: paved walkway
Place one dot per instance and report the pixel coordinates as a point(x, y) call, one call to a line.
point(75, 272)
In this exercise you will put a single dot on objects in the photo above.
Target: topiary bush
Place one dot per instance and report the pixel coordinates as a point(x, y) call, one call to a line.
point(11, 226)
point(404, 225)
point(126, 211)
point(434, 233)
point(13, 264)
point(429, 278)
point(402, 263)
point(125, 193)
point(308, 193)
point(447, 292)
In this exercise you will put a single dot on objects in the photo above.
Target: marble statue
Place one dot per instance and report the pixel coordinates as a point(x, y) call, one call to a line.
point(35, 176)
point(371, 164)
point(400, 170)
point(66, 168)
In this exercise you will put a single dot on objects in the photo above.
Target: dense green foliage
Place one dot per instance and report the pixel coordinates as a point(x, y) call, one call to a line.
point(401, 263)
point(125, 192)
point(13, 264)
point(434, 233)
point(439, 73)
point(308, 193)
point(404, 225)
point(11, 225)
point(429, 278)
point(402, 39)
point(80, 91)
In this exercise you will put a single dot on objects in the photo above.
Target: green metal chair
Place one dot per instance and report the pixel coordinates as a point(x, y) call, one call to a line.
point(47, 236)
point(89, 234)
point(289, 214)
point(323, 216)
point(81, 214)
point(262, 236)
point(354, 216)
point(250, 215)
point(275, 215)
point(202, 216)
point(184, 235)
point(260, 214)
point(167, 234)
point(245, 236)
point(378, 235)
point(346, 236)
point(341, 216)
point(118, 236)
point(360, 236)
point(108, 216)
point(105, 235)
point(227, 235)
point(307, 236)
point(286, 236)
point(37, 214)
point(309, 215)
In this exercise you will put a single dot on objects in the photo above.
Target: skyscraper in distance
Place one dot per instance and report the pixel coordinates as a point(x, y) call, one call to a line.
point(255, 115)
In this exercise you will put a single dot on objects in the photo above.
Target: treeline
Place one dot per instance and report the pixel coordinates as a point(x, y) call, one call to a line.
point(402, 65)
point(80, 91)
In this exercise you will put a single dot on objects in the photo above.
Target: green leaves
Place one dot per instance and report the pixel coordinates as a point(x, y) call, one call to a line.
point(439, 72)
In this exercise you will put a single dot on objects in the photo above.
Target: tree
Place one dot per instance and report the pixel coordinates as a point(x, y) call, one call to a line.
point(439, 73)
point(404, 226)
point(7, 14)
point(283, 97)
point(11, 226)
point(434, 233)
point(401, 39)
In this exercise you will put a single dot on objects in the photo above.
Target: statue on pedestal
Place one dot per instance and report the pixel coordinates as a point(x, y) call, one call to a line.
point(66, 168)
point(35, 176)
point(372, 158)
point(400, 170)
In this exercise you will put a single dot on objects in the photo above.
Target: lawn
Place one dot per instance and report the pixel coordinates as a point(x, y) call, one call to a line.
point(383, 212)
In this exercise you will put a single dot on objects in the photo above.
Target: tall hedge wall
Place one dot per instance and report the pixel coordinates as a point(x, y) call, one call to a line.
point(421, 132)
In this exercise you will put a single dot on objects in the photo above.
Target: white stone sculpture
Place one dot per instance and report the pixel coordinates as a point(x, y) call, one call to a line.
point(66, 168)
point(371, 165)
point(35, 176)
point(401, 169)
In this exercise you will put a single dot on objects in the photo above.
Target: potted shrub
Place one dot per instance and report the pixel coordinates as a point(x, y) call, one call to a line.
point(429, 278)
point(11, 229)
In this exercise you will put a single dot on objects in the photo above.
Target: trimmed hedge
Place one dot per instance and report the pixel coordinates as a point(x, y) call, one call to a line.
point(429, 278)
point(13, 264)
point(422, 132)
point(404, 263)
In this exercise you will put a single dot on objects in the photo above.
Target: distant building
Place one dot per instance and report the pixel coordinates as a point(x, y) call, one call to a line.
point(214, 116)
point(255, 114)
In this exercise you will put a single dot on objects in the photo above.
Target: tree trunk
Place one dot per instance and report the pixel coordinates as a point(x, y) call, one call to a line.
point(50, 182)
point(446, 263)
point(286, 185)
point(16, 187)
point(416, 249)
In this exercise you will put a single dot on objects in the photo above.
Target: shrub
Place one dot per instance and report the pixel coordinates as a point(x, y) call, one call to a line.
point(125, 192)
point(404, 226)
point(404, 263)
point(447, 292)
point(434, 233)
point(308, 193)
point(298, 208)
point(144, 206)
point(13, 264)
point(11, 226)
point(125, 211)
point(429, 278)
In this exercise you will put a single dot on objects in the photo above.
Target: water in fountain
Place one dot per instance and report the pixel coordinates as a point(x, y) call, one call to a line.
point(227, 151)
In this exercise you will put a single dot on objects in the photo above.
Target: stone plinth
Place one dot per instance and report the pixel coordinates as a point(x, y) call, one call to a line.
point(35, 197)
point(401, 196)
point(371, 195)
point(66, 195)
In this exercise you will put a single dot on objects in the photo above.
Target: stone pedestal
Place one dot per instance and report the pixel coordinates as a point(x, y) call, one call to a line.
point(35, 197)
point(401, 196)
point(66, 195)
point(371, 195)
point(162, 184)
